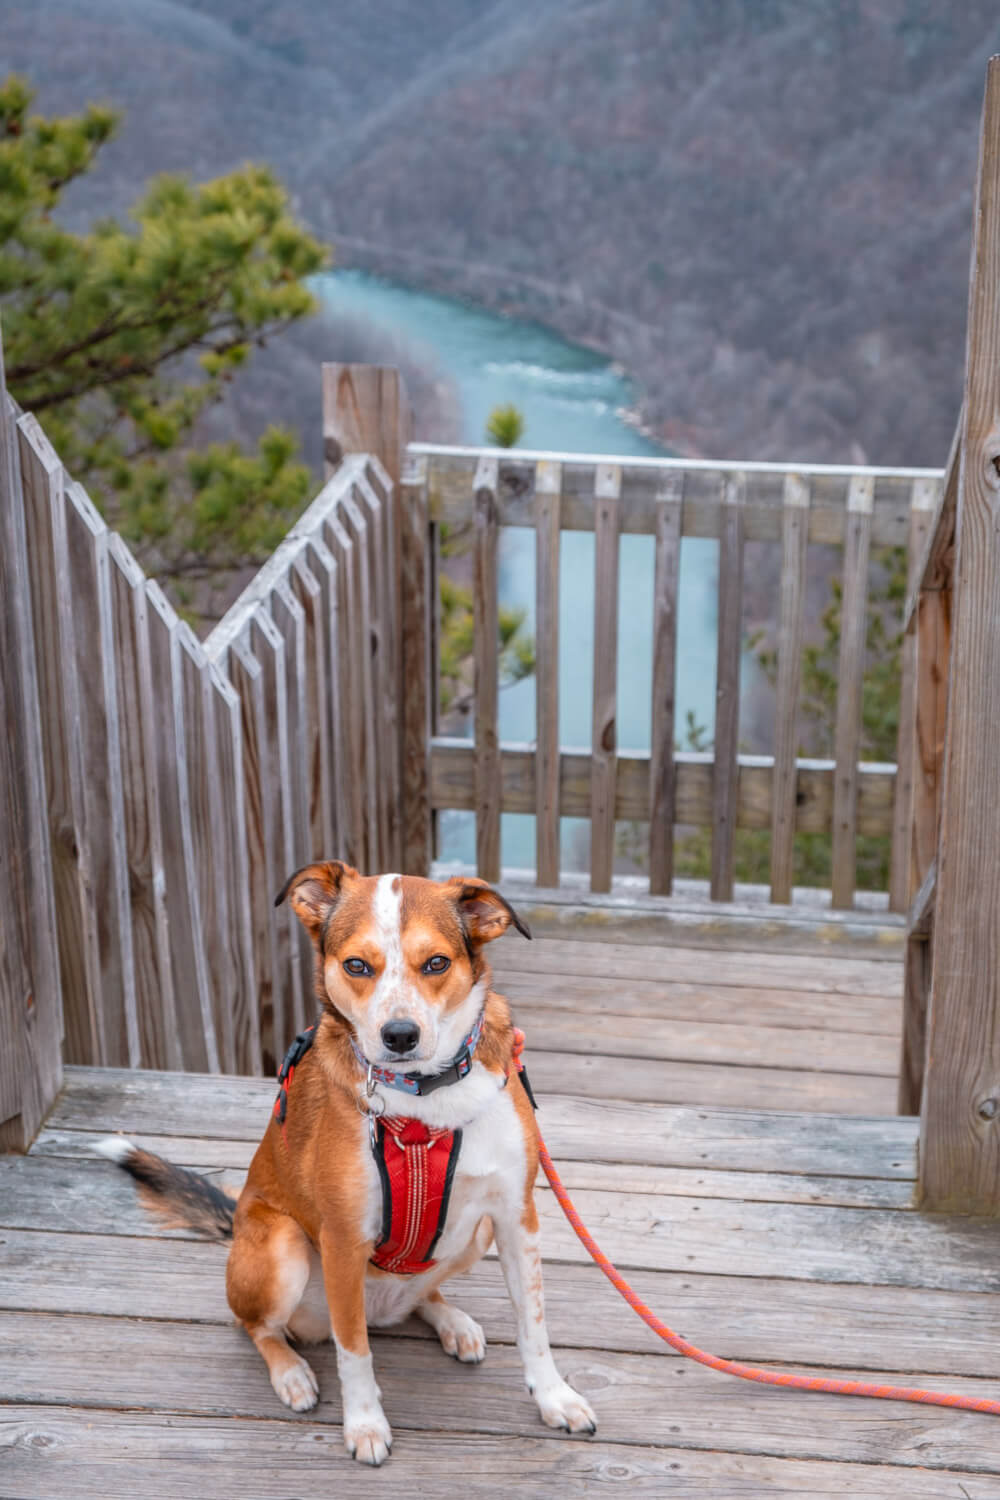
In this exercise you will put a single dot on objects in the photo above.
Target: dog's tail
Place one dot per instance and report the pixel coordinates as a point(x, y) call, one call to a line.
point(180, 1199)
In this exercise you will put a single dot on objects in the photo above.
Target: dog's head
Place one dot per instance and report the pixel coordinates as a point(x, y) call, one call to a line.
point(401, 957)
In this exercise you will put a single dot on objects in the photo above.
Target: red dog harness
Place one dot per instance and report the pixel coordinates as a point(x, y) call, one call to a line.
point(416, 1166)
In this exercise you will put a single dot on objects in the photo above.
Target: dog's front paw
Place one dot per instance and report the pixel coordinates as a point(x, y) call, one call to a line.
point(368, 1438)
point(461, 1336)
point(561, 1406)
point(296, 1385)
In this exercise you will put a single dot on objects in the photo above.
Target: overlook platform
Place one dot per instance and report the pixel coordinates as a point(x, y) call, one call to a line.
point(674, 1083)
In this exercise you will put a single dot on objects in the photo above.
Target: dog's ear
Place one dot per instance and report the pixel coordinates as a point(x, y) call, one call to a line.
point(314, 891)
point(483, 912)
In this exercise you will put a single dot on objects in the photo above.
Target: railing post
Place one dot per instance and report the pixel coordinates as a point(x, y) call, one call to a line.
point(30, 997)
point(365, 411)
point(960, 1116)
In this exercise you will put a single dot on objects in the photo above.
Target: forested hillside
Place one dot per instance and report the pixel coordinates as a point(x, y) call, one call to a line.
point(761, 207)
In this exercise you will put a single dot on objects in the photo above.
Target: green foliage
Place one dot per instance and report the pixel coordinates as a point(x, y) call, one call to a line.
point(517, 650)
point(121, 337)
point(505, 426)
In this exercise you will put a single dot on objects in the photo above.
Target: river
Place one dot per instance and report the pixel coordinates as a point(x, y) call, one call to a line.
point(572, 401)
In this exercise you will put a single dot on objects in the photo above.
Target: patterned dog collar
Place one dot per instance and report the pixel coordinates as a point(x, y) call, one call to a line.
point(418, 1083)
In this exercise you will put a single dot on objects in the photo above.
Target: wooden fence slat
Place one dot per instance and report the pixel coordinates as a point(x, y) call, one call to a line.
point(358, 530)
point(351, 697)
point(192, 1045)
point(45, 523)
point(208, 836)
point(850, 680)
point(290, 980)
point(386, 758)
point(30, 1000)
point(960, 1119)
point(315, 728)
point(323, 565)
point(231, 866)
point(97, 737)
point(548, 481)
point(922, 501)
point(247, 677)
point(288, 618)
point(418, 606)
point(486, 632)
point(669, 518)
point(727, 688)
point(154, 980)
point(795, 534)
point(604, 734)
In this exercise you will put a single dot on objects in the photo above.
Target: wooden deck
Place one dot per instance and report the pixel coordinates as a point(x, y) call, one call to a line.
point(666, 1077)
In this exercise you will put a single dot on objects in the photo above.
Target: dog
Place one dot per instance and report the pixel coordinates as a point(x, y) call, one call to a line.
point(402, 1144)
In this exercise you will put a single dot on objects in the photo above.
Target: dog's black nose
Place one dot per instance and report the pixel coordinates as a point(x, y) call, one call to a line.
point(400, 1036)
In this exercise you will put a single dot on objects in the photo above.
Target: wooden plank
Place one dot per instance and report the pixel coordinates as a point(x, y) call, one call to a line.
point(450, 478)
point(193, 1044)
point(365, 679)
point(364, 411)
point(486, 632)
point(662, 770)
point(350, 650)
point(757, 1319)
point(324, 567)
point(932, 674)
point(154, 980)
point(682, 1000)
point(418, 601)
point(727, 689)
point(96, 734)
point(374, 496)
point(936, 564)
point(850, 680)
point(604, 731)
point(452, 784)
point(547, 826)
point(30, 995)
point(42, 482)
point(209, 834)
point(289, 620)
point(826, 973)
point(261, 857)
point(657, 1135)
point(232, 868)
point(316, 728)
point(960, 1118)
point(80, 1452)
point(207, 1371)
point(795, 533)
point(921, 509)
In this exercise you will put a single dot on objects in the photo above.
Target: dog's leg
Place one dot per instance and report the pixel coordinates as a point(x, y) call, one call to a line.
point(267, 1273)
point(460, 1335)
point(521, 1262)
point(367, 1435)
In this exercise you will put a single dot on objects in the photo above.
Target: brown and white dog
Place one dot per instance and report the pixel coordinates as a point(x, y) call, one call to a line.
point(403, 980)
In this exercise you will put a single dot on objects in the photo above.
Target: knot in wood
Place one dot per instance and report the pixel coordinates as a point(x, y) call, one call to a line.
point(608, 736)
point(987, 1109)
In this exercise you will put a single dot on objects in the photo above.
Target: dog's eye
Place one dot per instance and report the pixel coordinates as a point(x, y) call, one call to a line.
point(357, 968)
point(436, 965)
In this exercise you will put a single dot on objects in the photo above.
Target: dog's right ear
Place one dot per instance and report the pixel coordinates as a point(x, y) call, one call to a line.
point(314, 891)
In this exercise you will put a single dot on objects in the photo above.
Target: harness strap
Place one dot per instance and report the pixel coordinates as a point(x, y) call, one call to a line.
point(416, 1165)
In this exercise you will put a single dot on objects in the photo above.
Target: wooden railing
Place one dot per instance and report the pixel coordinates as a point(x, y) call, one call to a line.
point(788, 507)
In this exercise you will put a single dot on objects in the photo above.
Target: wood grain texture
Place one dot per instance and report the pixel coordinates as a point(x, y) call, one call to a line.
point(850, 679)
point(452, 784)
point(91, 656)
point(795, 535)
point(936, 564)
point(31, 1019)
point(662, 771)
point(350, 701)
point(604, 726)
point(547, 826)
point(486, 632)
point(932, 674)
point(153, 969)
point(366, 684)
point(418, 603)
point(727, 688)
point(309, 586)
point(900, 863)
point(960, 1117)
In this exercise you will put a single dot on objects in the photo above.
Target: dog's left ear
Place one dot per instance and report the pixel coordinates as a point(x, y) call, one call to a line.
point(483, 912)
point(314, 891)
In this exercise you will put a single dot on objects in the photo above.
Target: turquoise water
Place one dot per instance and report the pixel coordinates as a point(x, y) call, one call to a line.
point(572, 401)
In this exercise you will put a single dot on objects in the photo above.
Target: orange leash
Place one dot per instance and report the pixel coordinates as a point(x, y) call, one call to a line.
point(732, 1366)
